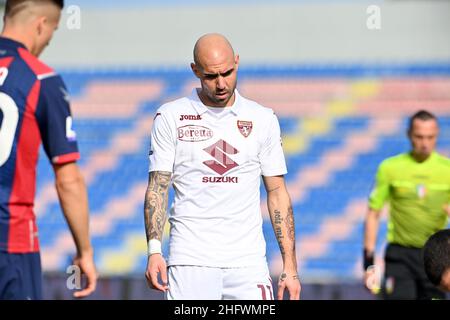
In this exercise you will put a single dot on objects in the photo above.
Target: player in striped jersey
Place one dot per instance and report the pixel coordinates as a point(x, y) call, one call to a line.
point(34, 109)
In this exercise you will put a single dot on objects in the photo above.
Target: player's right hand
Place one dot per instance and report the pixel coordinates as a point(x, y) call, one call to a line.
point(156, 265)
point(291, 282)
point(86, 263)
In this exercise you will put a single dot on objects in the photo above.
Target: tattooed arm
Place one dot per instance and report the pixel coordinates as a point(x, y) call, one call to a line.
point(155, 213)
point(155, 209)
point(282, 217)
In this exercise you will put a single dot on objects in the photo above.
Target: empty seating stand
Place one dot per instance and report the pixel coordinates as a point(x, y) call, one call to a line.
point(337, 126)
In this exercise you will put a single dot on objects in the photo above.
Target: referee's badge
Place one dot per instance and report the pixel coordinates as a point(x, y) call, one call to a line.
point(421, 191)
point(245, 127)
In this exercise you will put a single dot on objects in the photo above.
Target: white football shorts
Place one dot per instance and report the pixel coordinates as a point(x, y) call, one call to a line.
point(208, 283)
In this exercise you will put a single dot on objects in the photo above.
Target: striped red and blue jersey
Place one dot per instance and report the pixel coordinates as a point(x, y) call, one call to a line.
point(34, 109)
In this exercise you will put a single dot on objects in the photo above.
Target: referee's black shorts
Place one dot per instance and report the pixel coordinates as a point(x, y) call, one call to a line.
point(405, 276)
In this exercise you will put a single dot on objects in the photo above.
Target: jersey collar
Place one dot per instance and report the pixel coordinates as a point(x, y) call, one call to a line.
point(201, 108)
point(429, 159)
point(11, 43)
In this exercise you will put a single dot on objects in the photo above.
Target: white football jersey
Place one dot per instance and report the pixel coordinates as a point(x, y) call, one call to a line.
point(216, 160)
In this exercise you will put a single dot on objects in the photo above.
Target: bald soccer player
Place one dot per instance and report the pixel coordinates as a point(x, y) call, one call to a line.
point(213, 146)
point(34, 109)
point(417, 186)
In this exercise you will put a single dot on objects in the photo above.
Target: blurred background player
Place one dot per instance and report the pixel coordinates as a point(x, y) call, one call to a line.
point(34, 107)
point(436, 258)
point(214, 146)
point(417, 186)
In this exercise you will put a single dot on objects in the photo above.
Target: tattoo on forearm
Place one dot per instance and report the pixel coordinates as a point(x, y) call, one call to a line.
point(284, 227)
point(272, 190)
point(284, 276)
point(279, 233)
point(290, 225)
point(278, 220)
point(155, 208)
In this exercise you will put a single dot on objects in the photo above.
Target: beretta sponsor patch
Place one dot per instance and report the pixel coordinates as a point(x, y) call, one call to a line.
point(192, 133)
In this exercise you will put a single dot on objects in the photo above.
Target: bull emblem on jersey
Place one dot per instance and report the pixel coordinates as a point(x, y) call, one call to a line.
point(245, 127)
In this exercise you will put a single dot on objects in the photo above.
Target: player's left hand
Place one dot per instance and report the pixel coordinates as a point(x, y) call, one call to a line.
point(291, 282)
point(86, 263)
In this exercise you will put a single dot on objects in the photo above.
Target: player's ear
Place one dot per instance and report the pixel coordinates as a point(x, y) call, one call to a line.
point(236, 61)
point(195, 70)
point(41, 21)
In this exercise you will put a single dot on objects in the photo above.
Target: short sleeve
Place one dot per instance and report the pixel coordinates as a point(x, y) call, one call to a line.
point(380, 191)
point(55, 122)
point(271, 155)
point(162, 144)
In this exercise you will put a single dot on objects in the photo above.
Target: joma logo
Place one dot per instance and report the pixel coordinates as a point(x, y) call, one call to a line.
point(190, 117)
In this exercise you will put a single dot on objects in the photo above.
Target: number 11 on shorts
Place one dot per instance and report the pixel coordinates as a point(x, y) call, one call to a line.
point(264, 289)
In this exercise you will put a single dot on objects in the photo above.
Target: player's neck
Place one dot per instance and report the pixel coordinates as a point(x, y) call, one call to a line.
point(18, 36)
point(420, 157)
point(204, 99)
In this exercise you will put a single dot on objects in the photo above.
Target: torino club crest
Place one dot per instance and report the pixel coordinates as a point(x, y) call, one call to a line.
point(245, 127)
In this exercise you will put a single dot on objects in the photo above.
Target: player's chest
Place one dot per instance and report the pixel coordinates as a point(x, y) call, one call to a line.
point(230, 138)
point(421, 185)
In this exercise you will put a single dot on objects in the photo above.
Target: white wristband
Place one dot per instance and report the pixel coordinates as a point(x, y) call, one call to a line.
point(154, 246)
